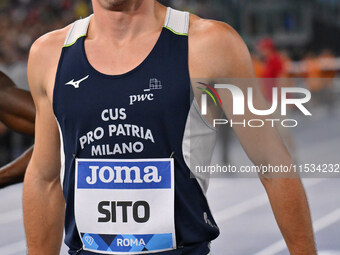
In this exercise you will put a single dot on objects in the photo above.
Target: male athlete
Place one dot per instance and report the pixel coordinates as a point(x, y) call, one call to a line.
point(17, 112)
point(112, 94)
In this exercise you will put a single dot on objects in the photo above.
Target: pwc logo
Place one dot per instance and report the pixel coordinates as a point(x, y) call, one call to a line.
point(148, 95)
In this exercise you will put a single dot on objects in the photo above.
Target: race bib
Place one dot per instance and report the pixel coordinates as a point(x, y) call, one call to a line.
point(125, 206)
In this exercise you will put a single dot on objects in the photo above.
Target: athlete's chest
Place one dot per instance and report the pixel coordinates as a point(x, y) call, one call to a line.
point(156, 92)
point(119, 57)
point(142, 107)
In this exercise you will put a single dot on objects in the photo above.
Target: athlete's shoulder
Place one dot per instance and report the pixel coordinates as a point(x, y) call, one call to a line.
point(44, 57)
point(50, 42)
point(211, 28)
point(218, 44)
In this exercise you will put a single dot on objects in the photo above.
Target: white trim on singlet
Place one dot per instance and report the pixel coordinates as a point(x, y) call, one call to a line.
point(62, 157)
point(177, 21)
point(77, 30)
point(198, 144)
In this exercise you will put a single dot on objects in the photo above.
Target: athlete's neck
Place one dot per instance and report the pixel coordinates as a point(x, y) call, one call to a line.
point(125, 21)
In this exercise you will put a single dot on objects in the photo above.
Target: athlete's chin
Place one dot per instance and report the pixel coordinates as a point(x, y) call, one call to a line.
point(112, 4)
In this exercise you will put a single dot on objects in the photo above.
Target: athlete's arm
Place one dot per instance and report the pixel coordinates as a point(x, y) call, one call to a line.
point(43, 201)
point(217, 51)
point(14, 172)
point(17, 112)
point(16, 107)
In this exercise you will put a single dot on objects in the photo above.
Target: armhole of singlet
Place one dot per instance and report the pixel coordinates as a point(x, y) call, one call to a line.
point(77, 30)
point(178, 23)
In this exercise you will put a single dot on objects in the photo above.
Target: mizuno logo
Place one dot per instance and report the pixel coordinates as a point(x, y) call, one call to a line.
point(76, 83)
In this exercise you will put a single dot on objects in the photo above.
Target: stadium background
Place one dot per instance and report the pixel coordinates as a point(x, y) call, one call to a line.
point(306, 35)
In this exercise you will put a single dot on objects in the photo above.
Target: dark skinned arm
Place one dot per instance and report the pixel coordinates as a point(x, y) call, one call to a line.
point(14, 172)
point(17, 111)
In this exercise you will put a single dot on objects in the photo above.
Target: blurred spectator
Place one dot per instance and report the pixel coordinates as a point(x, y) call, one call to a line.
point(312, 70)
point(321, 72)
point(273, 66)
point(258, 65)
point(23, 21)
point(287, 64)
point(328, 64)
point(273, 61)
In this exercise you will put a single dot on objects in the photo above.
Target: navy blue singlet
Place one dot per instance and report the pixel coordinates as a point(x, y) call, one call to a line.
point(125, 152)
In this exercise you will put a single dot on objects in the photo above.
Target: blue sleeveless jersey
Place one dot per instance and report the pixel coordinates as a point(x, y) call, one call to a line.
point(124, 151)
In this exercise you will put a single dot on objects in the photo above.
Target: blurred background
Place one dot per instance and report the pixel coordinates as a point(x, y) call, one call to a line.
point(287, 39)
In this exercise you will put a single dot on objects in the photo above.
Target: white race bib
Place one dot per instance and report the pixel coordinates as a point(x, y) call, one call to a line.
point(125, 206)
